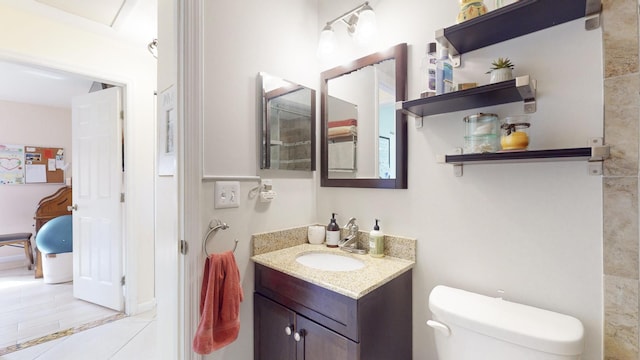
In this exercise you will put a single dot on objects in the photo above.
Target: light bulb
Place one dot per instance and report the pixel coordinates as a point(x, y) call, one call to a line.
point(326, 44)
point(366, 28)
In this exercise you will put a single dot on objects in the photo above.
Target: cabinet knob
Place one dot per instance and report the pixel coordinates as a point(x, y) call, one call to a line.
point(288, 330)
point(298, 335)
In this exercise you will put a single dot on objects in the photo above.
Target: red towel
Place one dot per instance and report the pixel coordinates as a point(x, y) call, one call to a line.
point(346, 122)
point(220, 299)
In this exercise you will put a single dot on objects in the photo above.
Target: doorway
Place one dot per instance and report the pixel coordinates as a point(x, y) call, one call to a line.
point(32, 312)
point(49, 296)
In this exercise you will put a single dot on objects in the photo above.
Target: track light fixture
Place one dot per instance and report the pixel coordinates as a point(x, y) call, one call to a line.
point(361, 25)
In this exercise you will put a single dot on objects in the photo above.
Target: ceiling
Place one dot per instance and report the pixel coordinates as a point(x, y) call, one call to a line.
point(133, 21)
point(104, 11)
point(31, 85)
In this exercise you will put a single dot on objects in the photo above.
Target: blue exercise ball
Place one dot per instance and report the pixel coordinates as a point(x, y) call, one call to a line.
point(56, 236)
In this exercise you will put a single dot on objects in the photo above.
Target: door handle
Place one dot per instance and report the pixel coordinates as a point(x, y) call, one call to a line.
point(72, 207)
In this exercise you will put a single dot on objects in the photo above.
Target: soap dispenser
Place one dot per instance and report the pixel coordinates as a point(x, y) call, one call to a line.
point(333, 232)
point(376, 241)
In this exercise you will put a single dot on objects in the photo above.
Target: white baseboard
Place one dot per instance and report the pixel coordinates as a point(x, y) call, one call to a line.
point(12, 262)
point(146, 306)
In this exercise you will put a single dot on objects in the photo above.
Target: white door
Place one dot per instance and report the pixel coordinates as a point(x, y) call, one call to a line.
point(97, 182)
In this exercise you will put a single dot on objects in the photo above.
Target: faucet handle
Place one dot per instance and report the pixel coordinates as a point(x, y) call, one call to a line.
point(350, 223)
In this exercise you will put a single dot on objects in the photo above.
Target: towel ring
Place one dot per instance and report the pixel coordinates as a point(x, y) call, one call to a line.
point(219, 225)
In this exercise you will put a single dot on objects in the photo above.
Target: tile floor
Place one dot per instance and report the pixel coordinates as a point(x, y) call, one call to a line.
point(130, 338)
point(32, 313)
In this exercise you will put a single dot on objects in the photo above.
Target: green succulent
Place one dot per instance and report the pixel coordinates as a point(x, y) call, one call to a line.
point(501, 63)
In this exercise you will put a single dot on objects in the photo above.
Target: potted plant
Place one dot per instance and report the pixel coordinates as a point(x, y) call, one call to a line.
point(501, 70)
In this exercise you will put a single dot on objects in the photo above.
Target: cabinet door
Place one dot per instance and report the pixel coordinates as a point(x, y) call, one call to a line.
point(271, 320)
point(315, 342)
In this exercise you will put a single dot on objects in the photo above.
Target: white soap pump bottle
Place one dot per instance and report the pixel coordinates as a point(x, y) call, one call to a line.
point(376, 241)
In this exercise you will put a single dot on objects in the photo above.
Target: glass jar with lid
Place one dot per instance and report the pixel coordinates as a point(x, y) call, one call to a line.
point(514, 132)
point(482, 133)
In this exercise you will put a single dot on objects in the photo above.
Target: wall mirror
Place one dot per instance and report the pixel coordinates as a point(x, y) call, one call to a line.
point(363, 136)
point(288, 123)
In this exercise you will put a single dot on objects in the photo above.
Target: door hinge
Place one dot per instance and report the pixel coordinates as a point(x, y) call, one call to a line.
point(122, 281)
point(183, 247)
point(121, 197)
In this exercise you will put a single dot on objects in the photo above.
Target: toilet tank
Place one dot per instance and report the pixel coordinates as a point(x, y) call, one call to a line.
point(473, 326)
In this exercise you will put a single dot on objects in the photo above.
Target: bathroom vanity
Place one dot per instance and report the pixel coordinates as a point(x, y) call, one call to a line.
point(305, 313)
point(295, 319)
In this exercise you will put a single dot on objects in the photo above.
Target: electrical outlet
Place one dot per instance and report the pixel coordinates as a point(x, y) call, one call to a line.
point(227, 194)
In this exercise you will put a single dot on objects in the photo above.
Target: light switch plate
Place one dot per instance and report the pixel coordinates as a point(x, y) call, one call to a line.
point(227, 194)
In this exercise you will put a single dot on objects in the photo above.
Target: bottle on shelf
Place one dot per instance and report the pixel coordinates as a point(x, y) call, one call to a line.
point(444, 73)
point(429, 71)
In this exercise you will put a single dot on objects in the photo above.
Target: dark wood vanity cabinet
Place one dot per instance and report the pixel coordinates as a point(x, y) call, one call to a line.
point(271, 320)
point(304, 339)
point(297, 320)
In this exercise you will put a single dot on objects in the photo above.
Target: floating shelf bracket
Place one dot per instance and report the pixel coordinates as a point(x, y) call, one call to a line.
point(454, 54)
point(527, 89)
point(592, 13)
point(599, 152)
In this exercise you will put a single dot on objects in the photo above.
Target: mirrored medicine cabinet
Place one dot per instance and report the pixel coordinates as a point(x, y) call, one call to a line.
point(287, 123)
point(363, 136)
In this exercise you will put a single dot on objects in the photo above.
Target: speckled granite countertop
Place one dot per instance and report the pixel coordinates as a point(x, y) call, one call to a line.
point(354, 284)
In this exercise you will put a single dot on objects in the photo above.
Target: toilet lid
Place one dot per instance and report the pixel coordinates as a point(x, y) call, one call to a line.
point(519, 324)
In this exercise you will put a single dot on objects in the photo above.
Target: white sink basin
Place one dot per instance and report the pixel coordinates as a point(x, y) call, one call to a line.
point(329, 261)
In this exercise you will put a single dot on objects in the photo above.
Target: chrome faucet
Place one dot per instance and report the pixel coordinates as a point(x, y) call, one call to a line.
point(350, 243)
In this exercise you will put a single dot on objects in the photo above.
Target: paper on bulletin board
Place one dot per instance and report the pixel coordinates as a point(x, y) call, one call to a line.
point(167, 130)
point(35, 174)
point(11, 164)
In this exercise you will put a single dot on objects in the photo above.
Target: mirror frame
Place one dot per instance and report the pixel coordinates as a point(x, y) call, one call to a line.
point(399, 53)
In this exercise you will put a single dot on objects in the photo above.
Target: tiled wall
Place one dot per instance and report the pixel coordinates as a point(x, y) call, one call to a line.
point(295, 153)
point(620, 182)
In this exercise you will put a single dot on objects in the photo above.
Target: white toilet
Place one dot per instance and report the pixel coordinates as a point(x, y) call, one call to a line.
point(470, 326)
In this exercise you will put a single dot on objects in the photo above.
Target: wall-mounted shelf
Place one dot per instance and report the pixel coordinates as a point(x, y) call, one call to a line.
point(594, 155)
point(514, 20)
point(521, 88)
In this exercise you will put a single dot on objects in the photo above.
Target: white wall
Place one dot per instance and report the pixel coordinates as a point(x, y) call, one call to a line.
point(34, 125)
point(532, 230)
point(166, 201)
point(242, 39)
point(37, 40)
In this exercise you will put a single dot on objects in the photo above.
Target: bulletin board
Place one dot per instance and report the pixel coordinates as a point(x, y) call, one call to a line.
point(21, 164)
point(43, 165)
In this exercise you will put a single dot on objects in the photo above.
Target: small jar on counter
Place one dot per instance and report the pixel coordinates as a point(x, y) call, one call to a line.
point(514, 132)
